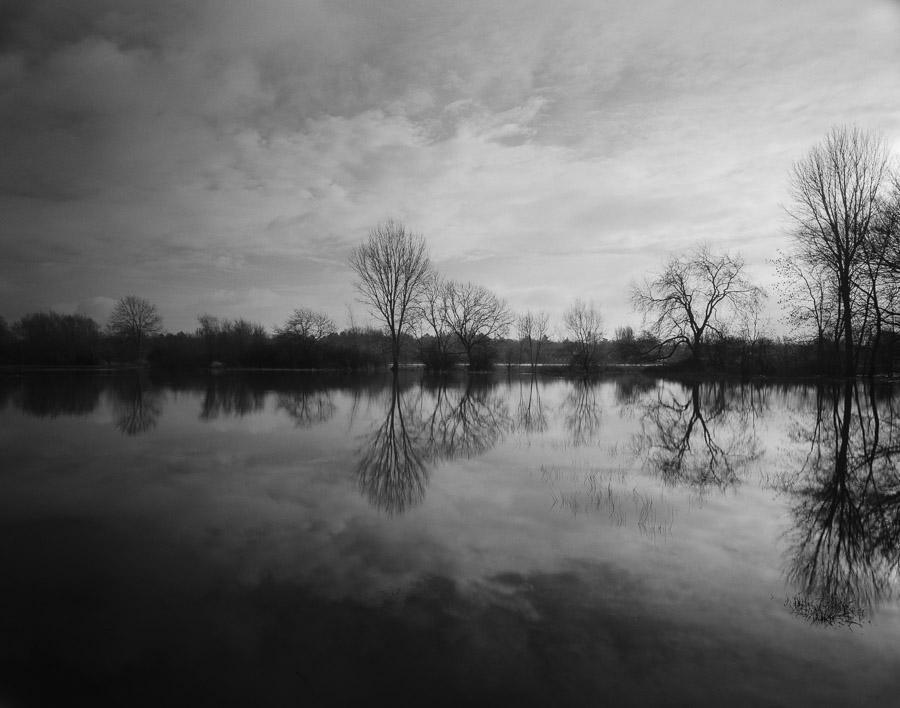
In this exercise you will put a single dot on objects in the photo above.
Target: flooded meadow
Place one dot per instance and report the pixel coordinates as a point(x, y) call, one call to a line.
point(289, 539)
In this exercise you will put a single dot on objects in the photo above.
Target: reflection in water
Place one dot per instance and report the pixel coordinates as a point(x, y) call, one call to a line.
point(629, 391)
point(392, 472)
point(231, 396)
point(845, 544)
point(423, 425)
point(461, 421)
point(530, 416)
point(51, 396)
point(136, 405)
point(700, 436)
point(285, 586)
point(582, 413)
point(307, 407)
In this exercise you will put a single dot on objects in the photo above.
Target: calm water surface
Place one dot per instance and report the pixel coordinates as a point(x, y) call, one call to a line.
point(291, 540)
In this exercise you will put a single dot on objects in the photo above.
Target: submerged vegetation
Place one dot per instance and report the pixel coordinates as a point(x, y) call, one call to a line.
point(831, 611)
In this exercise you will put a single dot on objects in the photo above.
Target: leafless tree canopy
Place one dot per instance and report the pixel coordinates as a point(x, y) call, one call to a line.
point(683, 303)
point(134, 319)
point(432, 317)
point(307, 324)
point(835, 192)
point(474, 314)
point(392, 269)
point(533, 328)
point(583, 326)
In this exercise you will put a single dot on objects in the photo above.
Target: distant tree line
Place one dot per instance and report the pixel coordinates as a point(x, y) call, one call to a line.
point(839, 284)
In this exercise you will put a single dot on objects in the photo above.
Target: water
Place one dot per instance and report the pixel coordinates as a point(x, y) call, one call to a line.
point(298, 540)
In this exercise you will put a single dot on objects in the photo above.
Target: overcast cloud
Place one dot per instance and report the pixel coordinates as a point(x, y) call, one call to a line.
point(224, 156)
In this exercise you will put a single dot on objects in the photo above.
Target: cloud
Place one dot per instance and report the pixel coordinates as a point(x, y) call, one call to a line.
point(187, 148)
point(99, 308)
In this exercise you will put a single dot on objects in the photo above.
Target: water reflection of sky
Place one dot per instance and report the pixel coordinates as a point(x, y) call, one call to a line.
point(232, 539)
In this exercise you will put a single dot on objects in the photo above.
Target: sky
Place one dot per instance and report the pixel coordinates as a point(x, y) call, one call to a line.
point(224, 157)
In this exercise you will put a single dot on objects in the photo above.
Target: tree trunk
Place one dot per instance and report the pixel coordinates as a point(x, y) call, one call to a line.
point(696, 352)
point(849, 354)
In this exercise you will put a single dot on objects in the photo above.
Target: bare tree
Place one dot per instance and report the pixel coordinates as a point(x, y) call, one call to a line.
point(533, 328)
point(808, 294)
point(302, 331)
point(307, 324)
point(835, 192)
point(475, 315)
point(392, 268)
point(239, 337)
point(583, 325)
point(209, 329)
point(682, 303)
point(134, 319)
point(436, 353)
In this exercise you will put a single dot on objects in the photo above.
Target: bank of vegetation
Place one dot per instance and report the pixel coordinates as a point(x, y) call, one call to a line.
point(839, 286)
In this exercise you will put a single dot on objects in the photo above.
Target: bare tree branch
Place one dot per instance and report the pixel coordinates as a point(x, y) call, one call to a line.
point(392, 269)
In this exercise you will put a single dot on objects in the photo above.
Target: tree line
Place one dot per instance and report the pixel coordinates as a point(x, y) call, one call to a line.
point(839, 284)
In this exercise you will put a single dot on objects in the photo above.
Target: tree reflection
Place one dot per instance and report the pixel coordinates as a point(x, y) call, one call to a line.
point(392, 472)
point(307, 407)
point(845, 545)
point(461, 421)
point(582, 414)
point(699, 436)
point(530, 416)
point(136, 405)
point(630, 391)
point(424, 425)
point(52, 396)
point(231, 396)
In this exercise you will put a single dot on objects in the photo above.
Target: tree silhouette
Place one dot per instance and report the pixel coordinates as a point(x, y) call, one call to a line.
point(835, 190)
point(583, 324)
point(683, 303)
point(134, 319)
point(393, 270)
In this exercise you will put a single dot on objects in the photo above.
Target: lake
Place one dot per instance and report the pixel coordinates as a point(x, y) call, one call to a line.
point(290, 539)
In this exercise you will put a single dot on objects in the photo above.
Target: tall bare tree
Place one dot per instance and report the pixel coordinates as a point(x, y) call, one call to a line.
point(533, 328)
point(134, 319)
point(835, 192)
point(683, 303)
point(583, 325)
point(392, 268)
point(475, 315)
